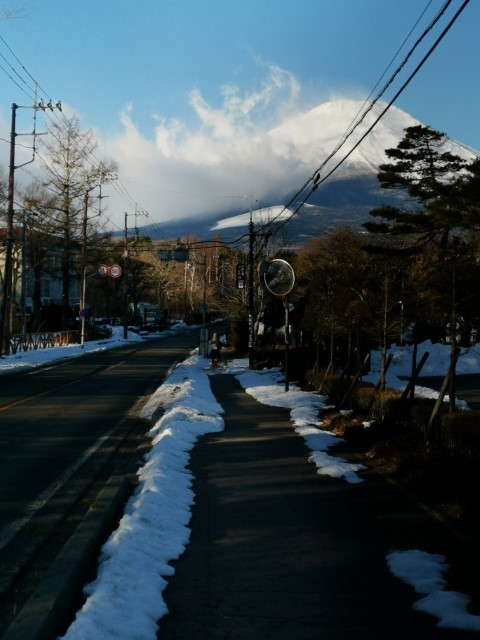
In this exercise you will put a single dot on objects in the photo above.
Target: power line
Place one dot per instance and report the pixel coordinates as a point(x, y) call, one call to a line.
point(315, 178)
point(23, 79)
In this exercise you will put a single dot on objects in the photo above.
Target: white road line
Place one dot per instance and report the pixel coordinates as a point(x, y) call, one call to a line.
point(40, 501)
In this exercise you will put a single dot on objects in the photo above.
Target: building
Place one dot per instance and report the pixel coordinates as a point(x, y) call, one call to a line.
point(37, 281)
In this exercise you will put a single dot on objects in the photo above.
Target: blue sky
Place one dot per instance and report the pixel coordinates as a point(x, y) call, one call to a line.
point(128, 67)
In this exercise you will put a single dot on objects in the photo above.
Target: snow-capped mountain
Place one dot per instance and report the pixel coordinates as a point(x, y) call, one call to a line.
point(301, 145)
point(314, 135)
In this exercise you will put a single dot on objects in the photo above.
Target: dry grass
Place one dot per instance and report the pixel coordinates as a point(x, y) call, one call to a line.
point(443, 471)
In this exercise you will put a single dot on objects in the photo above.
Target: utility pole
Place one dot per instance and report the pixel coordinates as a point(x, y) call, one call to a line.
point(6, 307)
point(8, 270)
point(84, 243)
point(83, 269)
point(251, 333)
point(125, 288)
point(23, 294)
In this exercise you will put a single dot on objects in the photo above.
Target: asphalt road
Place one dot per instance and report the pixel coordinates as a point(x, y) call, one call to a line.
point(64, 430)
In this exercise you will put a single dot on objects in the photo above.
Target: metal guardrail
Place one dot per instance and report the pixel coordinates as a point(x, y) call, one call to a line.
point(42, 340)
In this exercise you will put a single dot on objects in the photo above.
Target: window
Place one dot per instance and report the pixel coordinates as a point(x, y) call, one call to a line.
point(53, 263)
point(45, 288)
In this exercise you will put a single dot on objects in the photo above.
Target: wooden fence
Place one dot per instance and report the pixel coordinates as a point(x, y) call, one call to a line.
point(42, 340)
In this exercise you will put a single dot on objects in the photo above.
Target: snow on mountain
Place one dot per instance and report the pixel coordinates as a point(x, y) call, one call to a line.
point(291, 153)
point(313, 135)
point(259, 216)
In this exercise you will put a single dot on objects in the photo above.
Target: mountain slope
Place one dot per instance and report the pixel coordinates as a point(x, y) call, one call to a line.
point(304, 143)
point(314, 135)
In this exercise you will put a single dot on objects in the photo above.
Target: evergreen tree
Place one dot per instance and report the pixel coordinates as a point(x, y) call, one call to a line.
point(441, 192)
point(436, 184)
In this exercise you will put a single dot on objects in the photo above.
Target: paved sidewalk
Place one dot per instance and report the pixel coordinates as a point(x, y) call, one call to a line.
point(278, 552)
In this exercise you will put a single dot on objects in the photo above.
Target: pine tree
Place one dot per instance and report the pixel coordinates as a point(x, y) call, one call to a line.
point(435, 185)
point(441, 196)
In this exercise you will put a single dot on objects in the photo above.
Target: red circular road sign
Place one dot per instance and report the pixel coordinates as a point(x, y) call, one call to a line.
point(115, 271)
point(102, 270)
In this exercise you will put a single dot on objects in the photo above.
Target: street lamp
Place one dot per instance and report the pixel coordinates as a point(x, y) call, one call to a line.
point(83, 307)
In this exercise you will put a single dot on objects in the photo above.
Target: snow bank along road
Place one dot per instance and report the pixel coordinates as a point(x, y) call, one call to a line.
point(64, 431)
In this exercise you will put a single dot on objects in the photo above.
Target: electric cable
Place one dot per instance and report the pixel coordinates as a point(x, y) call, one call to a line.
point(54, 118)
point(315, 178)
point(385, 109)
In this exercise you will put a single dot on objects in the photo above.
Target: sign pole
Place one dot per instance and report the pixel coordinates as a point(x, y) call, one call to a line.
point(287, 342)
point(279, 278)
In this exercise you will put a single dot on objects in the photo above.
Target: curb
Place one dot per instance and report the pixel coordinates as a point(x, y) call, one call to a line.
point(53, 603)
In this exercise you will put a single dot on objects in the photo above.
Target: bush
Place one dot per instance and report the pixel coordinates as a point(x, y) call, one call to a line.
point(313, 380)
point(335, 387)
point(98, 333)
point(389, 407)
point(363, 399)
point(460, 434)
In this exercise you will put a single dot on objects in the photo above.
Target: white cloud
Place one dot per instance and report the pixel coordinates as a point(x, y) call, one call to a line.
point(262, 141)
point(185, 170)
point(237, 116)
